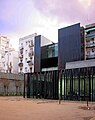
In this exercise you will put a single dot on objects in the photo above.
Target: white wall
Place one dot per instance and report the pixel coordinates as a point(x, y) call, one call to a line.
point(25, 41)
point(45, 41)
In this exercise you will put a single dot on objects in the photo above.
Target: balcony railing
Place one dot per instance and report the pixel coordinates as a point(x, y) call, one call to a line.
point(21, 51)
point(30, 64)
point(31, 54)
point(20, 64)
point(31, 45)
point(28, 60)
point(90, 44)
point(21, 47)
point(21, 56)
point(90, 56)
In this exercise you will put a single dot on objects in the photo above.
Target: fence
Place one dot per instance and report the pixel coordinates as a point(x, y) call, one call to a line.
point(71, 84)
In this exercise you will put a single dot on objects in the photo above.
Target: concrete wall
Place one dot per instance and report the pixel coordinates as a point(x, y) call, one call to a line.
point(11, 84)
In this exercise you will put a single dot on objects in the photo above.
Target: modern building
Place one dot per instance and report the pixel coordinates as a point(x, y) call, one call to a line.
point(90, 41)
point(62, 71)
point(30, 52)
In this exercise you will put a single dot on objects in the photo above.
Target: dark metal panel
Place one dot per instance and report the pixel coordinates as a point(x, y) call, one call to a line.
point(36, 85)
point(69, 45)
point(64, 83)
point(37, 53)
point(24, 86)
point(45, 85)
point(33, 86)
point(28, 85)
point(89, 81)
point(78, 84)
point(44, 52)
point(92, 83)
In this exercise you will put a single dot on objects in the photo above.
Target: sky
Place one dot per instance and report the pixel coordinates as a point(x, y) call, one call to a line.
point(19, 18)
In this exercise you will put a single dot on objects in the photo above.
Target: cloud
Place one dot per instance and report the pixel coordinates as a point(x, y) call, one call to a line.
point(68, 10)
point(19, 18)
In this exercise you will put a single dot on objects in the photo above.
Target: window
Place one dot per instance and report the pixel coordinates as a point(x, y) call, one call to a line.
point(92, 38)
point(26, 51)
point(25, 69)
point(92, 50)
point(31, 69)
point(20, 60)
point(88, 52)
point(20, 69)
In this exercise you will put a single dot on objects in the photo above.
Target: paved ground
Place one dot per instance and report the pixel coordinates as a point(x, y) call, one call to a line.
point(17, 108)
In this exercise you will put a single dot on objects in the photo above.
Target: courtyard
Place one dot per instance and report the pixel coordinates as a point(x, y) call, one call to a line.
point(18, 108)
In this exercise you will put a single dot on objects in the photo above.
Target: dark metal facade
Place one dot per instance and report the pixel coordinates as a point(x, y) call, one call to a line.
point(37, 53)
point(69, 45)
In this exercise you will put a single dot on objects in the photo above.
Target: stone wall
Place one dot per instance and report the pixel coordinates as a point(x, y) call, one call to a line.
point(11, 84)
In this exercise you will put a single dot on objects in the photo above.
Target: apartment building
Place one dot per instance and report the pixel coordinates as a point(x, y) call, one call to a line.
point(29, 52)
point(90, 41)
point(26, 54)
point(4, 46)
point(8, 56)
point(11, 61)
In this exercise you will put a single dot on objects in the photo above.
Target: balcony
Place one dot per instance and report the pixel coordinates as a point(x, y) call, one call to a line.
point(21, 47)
point(31, 44)
point(28, 60)
point(30, 54)
point(20, 56)
point(21, 51)
point(3, 59)
point(20, 64)
point(90, 56)
point(90, 44)
point(30, 64)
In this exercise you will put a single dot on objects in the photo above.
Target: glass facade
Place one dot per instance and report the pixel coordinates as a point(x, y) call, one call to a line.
point(52, 50)
point(49, 56)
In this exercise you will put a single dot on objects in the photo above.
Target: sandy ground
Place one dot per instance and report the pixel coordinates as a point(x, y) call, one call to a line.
point(18, 108)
